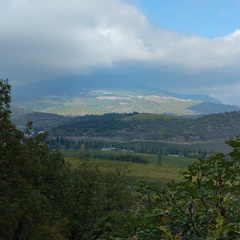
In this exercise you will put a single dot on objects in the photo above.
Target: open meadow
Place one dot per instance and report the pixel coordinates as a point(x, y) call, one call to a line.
point(160, 171)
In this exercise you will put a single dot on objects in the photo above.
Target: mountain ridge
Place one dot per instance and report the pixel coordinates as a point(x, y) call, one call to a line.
point(111, 93)
point(213, 128)
point(99, 82)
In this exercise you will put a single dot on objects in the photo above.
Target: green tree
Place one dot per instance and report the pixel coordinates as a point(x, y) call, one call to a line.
point(29, 180)
point(43, 197)
point(82, 151)
point(159, 161)
point(205, 205)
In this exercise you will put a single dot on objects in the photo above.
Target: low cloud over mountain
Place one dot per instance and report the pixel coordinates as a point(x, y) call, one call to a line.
point(47, 39)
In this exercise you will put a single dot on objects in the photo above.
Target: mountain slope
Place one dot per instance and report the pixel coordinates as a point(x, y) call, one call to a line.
point(106, 93)
point(41, 121)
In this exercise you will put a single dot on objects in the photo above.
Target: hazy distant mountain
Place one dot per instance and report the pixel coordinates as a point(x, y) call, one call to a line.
point(107, 92)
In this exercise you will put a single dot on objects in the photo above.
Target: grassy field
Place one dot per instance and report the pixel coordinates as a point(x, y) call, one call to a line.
point(151, 116)
point(162, 173)
point(124, 103)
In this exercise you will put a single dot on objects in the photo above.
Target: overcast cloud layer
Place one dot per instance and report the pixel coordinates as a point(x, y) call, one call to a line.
point(43, 39)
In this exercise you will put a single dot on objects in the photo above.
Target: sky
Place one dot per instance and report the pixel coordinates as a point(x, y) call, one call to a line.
point(184, 46)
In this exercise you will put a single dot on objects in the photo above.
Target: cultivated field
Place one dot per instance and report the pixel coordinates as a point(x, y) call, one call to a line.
point(161, 172)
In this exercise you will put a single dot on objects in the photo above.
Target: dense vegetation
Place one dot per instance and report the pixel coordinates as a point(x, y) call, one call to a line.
point(122, 126)
point(149, 147)
point(43, 197)
point(153, 127)
point(207, 130)
point(138, 132)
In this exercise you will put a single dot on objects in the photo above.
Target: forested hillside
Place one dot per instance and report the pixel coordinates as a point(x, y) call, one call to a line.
point(42, 121)
point(140, 132)
point(125, 127)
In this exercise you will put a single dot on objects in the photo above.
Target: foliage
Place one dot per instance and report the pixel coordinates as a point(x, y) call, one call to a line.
point(203, 206)
point(150, 127)
point(118, 156)
point(146, 147)
point(43, 197)
point(30, 180)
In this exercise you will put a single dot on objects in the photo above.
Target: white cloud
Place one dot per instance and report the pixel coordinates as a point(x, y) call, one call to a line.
point(46, 38)
point(229, 94)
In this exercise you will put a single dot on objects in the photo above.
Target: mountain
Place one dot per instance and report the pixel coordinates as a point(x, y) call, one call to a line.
point(107, 92)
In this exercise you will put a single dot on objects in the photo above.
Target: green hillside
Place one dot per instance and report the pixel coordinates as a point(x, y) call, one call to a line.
point(140, 130)
point(120, 101)
point(125, 127)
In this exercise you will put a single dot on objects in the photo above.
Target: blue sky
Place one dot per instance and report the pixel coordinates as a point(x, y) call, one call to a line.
point(209, 18)
point(185, 46)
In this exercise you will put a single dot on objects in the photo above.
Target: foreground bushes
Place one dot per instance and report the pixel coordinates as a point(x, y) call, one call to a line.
point(203, 206)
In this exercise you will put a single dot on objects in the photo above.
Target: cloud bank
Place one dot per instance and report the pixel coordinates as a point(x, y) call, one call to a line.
point(42, 39)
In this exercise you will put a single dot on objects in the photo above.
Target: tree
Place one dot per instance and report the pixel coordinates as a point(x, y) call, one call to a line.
point(29, 180)
point(42, 196)
point(159, 161)
point(82, 151)
point(205, 205)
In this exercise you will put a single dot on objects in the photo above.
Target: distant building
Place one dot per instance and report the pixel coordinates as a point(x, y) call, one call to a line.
point(108, 149)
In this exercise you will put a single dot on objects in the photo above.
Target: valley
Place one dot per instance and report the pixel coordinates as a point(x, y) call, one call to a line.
point(114, 110)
